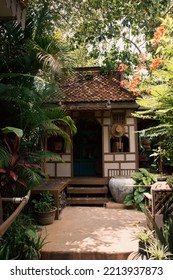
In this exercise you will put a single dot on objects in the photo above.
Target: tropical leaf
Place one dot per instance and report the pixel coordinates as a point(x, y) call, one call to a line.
point(142, 189)
point(52, 55)
point(5, 157)
point(129, 200)
point(42, 156)
point(142, 207)
point(138, 197)
point(9, 129)
point(13, 175)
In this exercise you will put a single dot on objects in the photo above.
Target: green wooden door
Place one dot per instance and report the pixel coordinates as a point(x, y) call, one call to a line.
point(87, 147)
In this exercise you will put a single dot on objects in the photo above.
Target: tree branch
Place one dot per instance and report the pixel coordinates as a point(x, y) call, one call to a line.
point(168, 11)
point(133, 43)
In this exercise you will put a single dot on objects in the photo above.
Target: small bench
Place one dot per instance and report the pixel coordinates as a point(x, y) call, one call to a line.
point(55, 187)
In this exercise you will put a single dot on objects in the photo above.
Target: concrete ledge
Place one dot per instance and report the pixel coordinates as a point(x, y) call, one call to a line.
point(84, 256)
point(115, 205)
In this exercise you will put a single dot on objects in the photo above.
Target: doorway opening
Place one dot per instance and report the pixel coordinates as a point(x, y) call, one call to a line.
point(87, 149)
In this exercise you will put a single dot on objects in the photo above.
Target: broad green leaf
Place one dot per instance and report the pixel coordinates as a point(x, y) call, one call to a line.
point(9, 129)
point(143, 189)
point(129, 200)
point(138, 197)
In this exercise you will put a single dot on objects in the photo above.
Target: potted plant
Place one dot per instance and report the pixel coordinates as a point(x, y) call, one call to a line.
point(44, 209)
point(144, 238)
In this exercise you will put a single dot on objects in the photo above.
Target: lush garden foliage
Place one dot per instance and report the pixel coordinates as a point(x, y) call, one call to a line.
point(152, 85)
point(60, 35)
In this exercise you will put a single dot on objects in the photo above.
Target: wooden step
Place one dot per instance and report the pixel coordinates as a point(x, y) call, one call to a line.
point(87, 190)
point(86, 200)
point(88, 181)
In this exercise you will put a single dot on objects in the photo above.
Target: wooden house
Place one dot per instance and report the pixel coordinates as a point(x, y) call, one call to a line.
point(106, 143)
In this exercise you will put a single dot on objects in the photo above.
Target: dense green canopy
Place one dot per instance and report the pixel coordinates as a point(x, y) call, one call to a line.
point(98, 25)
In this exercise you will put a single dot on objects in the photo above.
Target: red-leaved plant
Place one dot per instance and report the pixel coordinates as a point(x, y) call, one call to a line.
point(15, 172)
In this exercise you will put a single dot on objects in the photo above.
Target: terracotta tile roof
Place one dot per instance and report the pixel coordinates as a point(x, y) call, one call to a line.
point(88, 85)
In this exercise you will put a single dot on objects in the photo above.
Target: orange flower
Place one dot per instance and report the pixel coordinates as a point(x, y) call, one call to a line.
point(133, 84)
point(158, 34)
point(123, 83)
point(122, 67)
point(137, 93)
point(155, 63)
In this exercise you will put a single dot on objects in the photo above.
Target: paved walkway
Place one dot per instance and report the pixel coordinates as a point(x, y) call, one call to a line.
point(93, 233)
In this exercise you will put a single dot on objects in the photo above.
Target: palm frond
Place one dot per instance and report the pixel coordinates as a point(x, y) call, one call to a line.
point(32, 177)
point(5, 157)
point(55, 114)
point(59, 117)
point(159, 130)
point(70, 123)
point(43, 156)
point(50, 129)
point(52, 55)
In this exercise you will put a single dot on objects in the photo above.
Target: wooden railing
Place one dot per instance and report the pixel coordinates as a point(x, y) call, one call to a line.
point(23, 201)
point(159, 203)
point(121, 172)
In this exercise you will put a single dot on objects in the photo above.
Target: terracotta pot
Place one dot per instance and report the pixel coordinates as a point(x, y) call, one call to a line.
point(46, 218)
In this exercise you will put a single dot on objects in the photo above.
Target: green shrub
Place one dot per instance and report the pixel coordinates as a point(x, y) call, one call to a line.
point(142, 178)
point(22, 240)
point(45, 203)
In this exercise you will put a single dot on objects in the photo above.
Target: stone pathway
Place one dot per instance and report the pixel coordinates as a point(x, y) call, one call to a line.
point(93, 233)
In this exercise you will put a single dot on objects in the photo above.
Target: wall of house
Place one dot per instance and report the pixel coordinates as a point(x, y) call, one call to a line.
point(61, 169)
point(118, 161)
